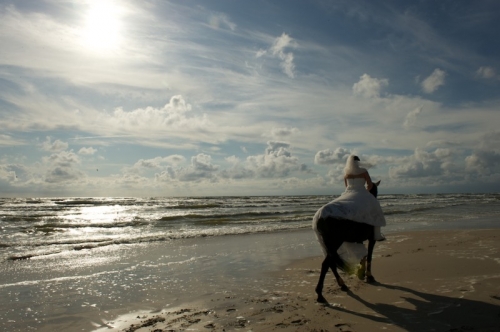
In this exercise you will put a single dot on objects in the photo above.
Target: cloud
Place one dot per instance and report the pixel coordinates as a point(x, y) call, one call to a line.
point(171, 120)
point(172, 114)
point(174, 159)
point(329, 157)
point(221, 20)
point(283, 132)
point(7, 140)
point(201, 168)
point(233, 160)
point(485, 159)
point(62, 167)
point(149, 163)
point(8, 173)
point(277, 161)
point(159, 162)
point(278, 50)
point(87, 151)
point(369, 87)
point(411, 118)
point(434, 81)
point(424, 164)
point(486, 72)
point(55, 146)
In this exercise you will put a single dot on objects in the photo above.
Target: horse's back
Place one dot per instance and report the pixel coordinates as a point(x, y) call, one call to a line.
point(343, 230)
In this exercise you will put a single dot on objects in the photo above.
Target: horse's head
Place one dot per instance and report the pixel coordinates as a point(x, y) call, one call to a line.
point(374, 190)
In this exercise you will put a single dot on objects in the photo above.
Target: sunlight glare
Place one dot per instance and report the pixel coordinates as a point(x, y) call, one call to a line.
point(102, 27)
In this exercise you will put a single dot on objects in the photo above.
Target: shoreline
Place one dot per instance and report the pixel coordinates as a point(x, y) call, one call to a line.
point(444, 280)
point(260, 282)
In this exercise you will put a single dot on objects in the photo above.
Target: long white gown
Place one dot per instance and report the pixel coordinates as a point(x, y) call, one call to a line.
point(356, 204)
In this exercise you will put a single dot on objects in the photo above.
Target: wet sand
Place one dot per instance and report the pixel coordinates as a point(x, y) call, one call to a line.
point(441, 280)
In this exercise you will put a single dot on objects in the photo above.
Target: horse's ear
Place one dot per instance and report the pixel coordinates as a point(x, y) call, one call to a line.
point(377, 183)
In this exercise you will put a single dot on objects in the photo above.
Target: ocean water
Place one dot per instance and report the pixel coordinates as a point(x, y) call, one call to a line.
point(74, 264)
point(31, 227)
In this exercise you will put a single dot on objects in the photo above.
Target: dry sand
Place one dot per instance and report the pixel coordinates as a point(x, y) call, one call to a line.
point(426, 281)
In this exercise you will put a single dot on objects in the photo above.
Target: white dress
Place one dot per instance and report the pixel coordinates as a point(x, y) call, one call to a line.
point(356, 204)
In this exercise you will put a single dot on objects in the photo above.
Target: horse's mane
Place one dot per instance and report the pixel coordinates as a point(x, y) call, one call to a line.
point(374, 190)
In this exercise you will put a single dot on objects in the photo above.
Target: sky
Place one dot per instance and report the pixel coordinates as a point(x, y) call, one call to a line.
point(262, 97)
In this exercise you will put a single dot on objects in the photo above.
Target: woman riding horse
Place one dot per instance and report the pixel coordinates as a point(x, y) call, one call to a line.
point(355, 216)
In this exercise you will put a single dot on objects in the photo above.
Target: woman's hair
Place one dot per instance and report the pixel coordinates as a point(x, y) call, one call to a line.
point(352, 166)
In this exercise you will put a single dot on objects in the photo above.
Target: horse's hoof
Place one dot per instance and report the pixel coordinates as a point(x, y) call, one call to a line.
point(344, 288)
point(321, 299)
point(370, 279)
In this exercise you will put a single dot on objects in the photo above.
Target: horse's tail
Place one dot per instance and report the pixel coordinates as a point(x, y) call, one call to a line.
point(339, 262)
point(319, 237)
point(343, 265)
point(350, 255)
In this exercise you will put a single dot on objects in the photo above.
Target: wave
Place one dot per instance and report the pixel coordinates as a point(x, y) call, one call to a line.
point(58, 247)
point(420, 208)
point(222, 216)
point(45, 226)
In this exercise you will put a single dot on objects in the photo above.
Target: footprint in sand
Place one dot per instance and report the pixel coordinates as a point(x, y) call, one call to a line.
point(343, 327)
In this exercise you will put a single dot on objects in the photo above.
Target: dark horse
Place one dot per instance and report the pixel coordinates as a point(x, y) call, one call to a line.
point(334, 232)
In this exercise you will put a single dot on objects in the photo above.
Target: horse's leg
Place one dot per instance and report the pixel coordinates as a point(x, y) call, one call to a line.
point(369, 276)
point(333, 265)
point(328, 262)
point(319, 288)
point(361, 273)
point(332, 244)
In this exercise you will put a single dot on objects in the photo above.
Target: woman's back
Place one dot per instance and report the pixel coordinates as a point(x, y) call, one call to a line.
point(355, 184)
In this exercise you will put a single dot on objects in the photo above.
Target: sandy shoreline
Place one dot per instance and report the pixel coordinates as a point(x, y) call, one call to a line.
point(445, 280)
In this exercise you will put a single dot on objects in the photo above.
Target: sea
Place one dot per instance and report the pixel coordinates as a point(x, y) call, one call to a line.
point(77, 264)
point(31, 227)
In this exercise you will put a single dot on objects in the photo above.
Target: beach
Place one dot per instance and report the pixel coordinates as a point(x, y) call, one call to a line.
point(439, 280)
point(446, 280)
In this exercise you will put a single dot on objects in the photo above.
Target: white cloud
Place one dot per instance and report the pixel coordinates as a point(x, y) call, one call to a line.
point(172, 114)
point(434, 81)
point(425, 164)
point(329, 157)
point(283, 132)
point(159, 163)
point(55, 146)
point(260, 53)
point(201, 168)
point(87, 151)
point(174, 159)
point(485, 159)
point(277, 161)
point(219, 20)
point(149, 163)
point(7, 173)
point(7, 140)
point(281, 43)
point(411, 118)
point(486, 72)
point(233, 160)
point(278, 50)
point(172, 120)
point(369, 87)
point(62, 167)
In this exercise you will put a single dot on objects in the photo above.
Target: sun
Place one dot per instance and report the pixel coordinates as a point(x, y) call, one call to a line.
point(102, 30)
